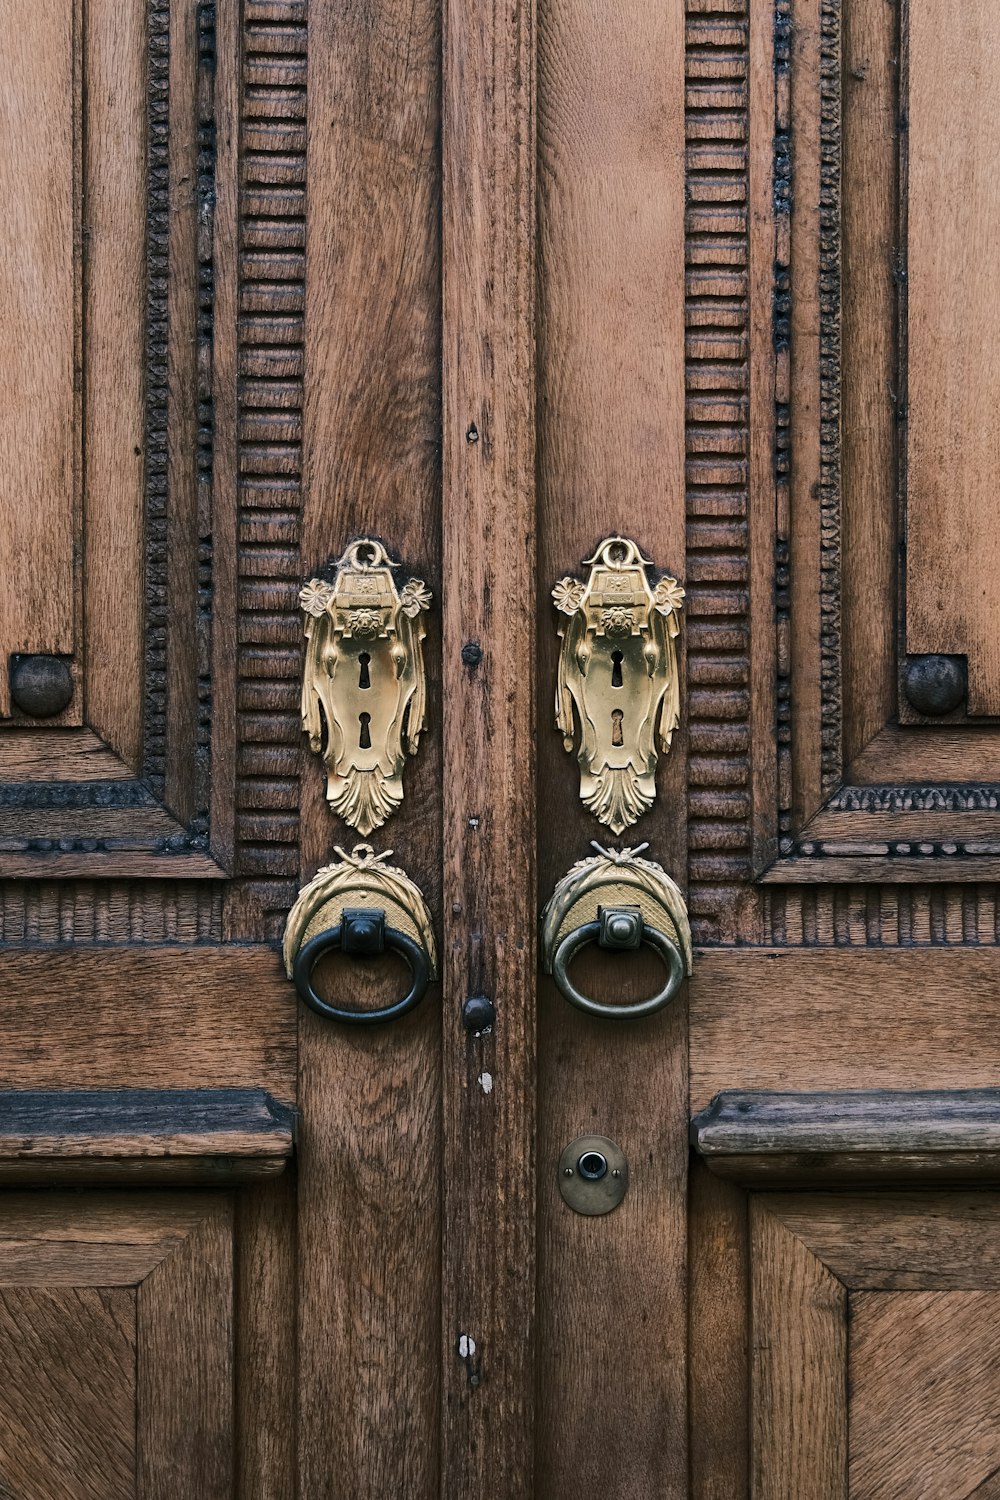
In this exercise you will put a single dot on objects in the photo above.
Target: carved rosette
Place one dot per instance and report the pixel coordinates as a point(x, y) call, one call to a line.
point(618, 671)
point(364, 691)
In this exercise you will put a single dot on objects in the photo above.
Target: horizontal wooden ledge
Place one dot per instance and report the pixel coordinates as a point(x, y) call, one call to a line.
point(850, 863)
point(851, 1136)
point(142, 1135)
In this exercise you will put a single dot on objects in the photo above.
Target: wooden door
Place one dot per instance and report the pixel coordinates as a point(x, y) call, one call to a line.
point(487, 286)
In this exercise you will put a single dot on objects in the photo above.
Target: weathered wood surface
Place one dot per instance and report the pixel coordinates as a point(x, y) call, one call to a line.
point(146, 1017)
point(869, 393)
point(40, 439)
point(67, 1409)
point(141, 1135)
point(901, 1241)
point(719, 1322)
point(265, 1339)
point(184, 1365)
point(490, 704)
point(799, 1418)
point(368, 1247)
point(126, 1305)
point(925, 1395)
point(907, 1405)
point(953, 341)
point(612, 1322)
point(792, 1020)
point(851, 1135)
point(115, 187)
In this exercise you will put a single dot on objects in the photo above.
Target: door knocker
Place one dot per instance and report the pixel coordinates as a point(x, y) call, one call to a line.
point(360, 906)
point(364, 692)
point(618, 901)
point(618, 667)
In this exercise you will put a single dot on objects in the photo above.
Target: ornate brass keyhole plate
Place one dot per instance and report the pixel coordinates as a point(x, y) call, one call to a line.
point(364, 692)
point(618, 669)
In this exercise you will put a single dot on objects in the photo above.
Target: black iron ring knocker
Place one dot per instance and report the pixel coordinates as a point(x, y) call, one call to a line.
point(621, 929)
point(362, 933)
point(379, 894)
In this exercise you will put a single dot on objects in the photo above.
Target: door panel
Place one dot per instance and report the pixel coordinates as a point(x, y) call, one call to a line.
point(116, 1329)
point(874, 1317)
point(102, 594)
point(611, 458)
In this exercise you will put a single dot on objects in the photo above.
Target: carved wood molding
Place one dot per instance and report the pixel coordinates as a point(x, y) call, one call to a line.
point(49, 824)
point(812, 812)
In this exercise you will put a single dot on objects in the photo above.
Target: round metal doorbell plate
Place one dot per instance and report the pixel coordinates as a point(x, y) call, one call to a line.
point(593, 1175)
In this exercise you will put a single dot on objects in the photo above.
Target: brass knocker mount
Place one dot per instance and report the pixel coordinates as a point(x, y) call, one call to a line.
point(618, 901)
point(364, 690)
point(360, 906)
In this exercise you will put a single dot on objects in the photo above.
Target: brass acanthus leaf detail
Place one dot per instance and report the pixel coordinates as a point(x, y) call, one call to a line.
point(315, 597)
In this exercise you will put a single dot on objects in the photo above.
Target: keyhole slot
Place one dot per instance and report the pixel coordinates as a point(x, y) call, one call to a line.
point(364, 681)
point(617, 719)
point(365, 742)
point(616, 669)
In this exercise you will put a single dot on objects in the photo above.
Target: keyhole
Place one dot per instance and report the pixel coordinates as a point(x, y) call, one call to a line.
point(365, 742)
point(364, 681)
point(616, 726)
point(616, 669)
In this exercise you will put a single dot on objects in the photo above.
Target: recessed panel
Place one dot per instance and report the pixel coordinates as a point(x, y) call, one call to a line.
point(39, 284)
point(953, 340)
point(67, 1403)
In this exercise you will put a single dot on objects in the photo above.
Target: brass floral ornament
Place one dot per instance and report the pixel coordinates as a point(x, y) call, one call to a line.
point(618, 671)
point(364, 694)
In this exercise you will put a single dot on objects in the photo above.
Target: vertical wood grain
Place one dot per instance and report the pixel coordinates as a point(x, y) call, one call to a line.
point(114, 408)
point(185, 1365)
point(612, 1317)
point(39, 294)
point(800, 525)
point(953, 338)
point(762, 498)
point(180, 790)
point(719, 1315)
point(488, 594)
point(266, 1300)
point(219, 382)
point(369, 1163)
point(869, 392)
point(799, 1370)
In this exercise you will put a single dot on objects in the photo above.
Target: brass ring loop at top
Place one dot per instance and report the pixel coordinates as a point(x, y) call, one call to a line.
point(589, 933)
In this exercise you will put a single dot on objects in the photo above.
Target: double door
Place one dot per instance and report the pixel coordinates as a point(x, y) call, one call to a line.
point(435, 440)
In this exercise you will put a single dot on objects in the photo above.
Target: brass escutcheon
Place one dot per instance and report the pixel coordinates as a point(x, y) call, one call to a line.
point(364, 691)
point(618, 669)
